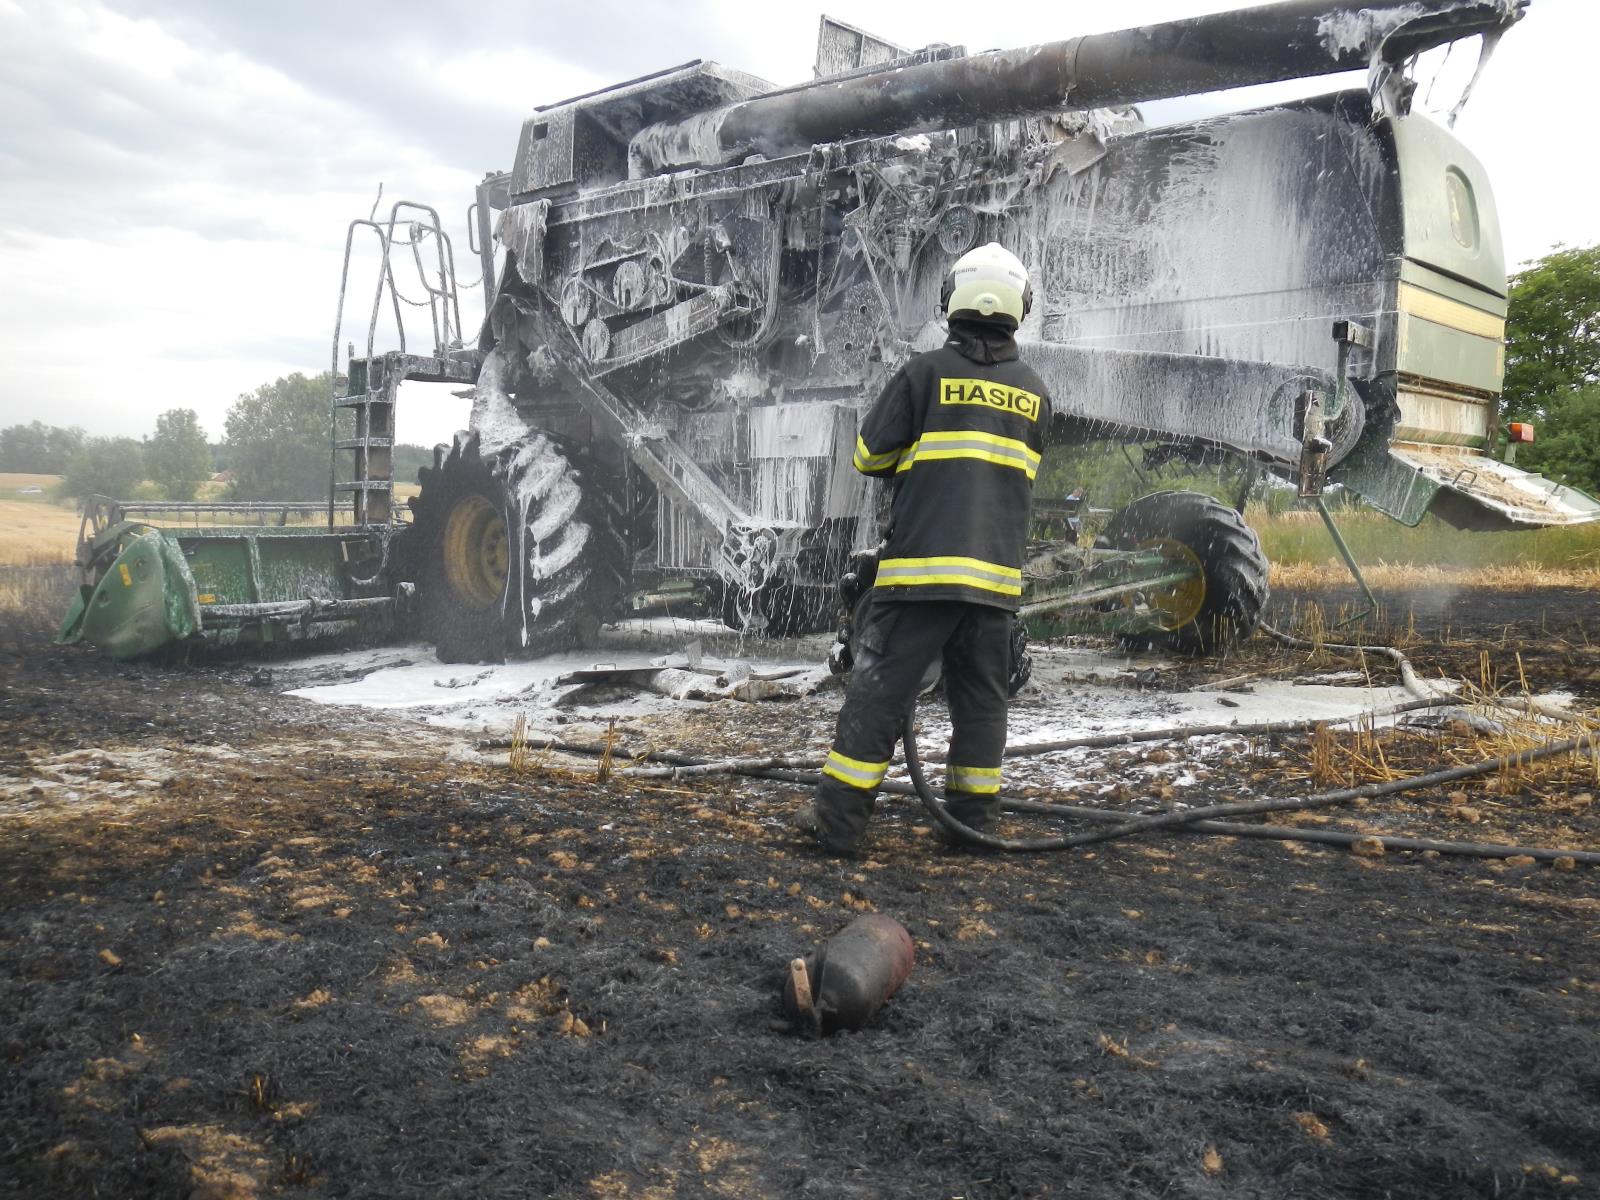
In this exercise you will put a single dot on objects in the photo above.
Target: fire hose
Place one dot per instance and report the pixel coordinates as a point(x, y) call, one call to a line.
point(1207, 816)
point(1121, 825)
point(1189, 817)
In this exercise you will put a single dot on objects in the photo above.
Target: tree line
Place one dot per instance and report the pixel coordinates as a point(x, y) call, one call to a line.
point(1553, 365)
point(172, 463)
point(276, 445)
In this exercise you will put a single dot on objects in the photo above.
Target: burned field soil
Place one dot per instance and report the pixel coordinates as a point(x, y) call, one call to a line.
point(252, 946)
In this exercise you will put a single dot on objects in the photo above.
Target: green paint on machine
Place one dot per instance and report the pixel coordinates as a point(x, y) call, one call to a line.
point(144, 601)
point(150, 588)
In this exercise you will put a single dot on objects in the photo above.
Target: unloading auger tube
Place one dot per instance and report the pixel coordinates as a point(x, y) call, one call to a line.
point(1267, 44)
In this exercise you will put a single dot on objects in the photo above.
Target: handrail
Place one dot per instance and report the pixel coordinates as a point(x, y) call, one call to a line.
point(102, 512)
point(441, 291)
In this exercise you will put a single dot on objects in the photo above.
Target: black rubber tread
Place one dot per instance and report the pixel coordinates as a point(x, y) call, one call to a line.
point(1230, 555)
point(1021, 660)
point(613, 516)
point(539, 610)
point(795, 609)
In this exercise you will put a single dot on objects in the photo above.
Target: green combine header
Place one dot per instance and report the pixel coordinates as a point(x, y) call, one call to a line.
point(252, 575)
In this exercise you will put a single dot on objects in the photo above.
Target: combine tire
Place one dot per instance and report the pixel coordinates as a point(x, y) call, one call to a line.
point(511, 556)
point(777, 610)
point(1221, 608)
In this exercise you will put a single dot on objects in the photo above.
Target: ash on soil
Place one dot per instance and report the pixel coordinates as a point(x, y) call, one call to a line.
point(315, 954)
point(1553, 632)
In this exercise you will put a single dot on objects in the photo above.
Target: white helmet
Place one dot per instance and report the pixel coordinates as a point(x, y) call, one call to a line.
point(985, 281)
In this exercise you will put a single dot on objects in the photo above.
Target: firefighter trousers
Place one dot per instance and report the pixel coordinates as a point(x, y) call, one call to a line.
point(900, 642)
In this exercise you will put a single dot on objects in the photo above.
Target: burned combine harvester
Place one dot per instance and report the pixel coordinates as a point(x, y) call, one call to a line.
point(705, 279)
point(701, 281)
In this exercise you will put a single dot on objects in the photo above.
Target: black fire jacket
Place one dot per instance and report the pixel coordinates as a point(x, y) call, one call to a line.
point(960, 430)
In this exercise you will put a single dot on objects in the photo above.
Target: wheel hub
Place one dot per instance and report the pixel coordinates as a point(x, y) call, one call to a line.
point(1173, 605)
point(477, 552)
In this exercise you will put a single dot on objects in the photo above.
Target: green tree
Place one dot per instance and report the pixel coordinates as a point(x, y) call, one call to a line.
point(37, 448)
point(105, 467)
point(408, 458)
point(278, 440)
point(64, 443)
point(1568, 445)
point(177, 457)
point(1552, 333)
point(24, 447)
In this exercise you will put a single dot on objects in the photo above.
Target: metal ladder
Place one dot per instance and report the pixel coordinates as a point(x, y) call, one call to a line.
point(371, 481)
point(372, 381)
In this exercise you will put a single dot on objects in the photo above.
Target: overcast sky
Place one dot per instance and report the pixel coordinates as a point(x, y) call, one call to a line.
point(176, 177)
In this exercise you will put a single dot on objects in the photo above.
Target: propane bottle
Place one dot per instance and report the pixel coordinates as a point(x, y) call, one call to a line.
point(844, 983)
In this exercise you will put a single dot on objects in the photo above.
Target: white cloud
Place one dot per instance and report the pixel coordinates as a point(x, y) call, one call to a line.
point(175, 238)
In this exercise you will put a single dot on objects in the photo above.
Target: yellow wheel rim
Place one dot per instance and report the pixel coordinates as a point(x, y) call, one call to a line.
point(1174, 605)
point(477, 552)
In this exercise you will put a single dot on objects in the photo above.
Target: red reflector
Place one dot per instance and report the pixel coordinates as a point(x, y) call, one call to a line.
point(1519, 431)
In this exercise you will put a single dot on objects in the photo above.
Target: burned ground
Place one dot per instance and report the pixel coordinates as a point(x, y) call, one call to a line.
point(257, 947)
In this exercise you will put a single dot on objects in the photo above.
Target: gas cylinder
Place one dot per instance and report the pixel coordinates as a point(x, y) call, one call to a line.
point(845, 981)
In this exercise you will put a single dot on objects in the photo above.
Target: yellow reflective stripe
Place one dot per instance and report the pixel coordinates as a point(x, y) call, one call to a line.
point(980, 781)
point(1003, 589)
point(956, 561)
point(858, 764)
point(853, 771)
point(987, 456)
point(992, 439)
point(971, 444)
point(866, 460)
point(932, 580)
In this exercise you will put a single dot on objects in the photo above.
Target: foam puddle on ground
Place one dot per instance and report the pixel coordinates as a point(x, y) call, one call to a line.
point(1075, 691)
point(1072, 695)
point(1061, 703)
point(489, 698)
point(465, 695)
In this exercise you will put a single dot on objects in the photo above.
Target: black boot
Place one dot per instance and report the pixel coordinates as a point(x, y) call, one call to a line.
point(806, 820)
point(978, 815)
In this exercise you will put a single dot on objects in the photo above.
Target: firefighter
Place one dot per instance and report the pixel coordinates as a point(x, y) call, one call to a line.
point(959, 430)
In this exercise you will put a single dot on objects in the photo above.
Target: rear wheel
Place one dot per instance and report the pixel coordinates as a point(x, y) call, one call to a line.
point(511, 556)
point(1222, 605)
point(777, 609)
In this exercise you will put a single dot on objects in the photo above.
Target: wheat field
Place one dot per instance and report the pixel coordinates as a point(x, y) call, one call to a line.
point(34, 534)
point(1393, 556)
